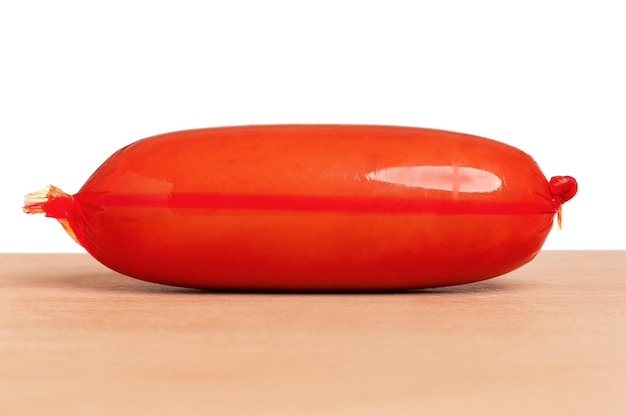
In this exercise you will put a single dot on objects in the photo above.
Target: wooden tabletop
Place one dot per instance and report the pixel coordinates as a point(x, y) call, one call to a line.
point(79, 339)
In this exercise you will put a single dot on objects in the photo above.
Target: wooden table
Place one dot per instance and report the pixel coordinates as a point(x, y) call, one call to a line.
point(78, 339)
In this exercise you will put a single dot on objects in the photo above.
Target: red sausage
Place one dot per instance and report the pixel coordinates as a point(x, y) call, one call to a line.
point(312, 207)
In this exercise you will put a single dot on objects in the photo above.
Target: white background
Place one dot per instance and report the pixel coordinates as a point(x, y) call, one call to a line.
point(78, 81)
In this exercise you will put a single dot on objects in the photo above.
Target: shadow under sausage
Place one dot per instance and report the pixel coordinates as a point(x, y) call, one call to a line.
point(105, 282)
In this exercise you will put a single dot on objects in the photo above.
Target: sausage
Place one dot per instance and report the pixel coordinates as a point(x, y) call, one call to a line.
point(312, 207)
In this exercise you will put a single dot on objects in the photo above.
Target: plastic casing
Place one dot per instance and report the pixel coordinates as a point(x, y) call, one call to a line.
point(314, 207)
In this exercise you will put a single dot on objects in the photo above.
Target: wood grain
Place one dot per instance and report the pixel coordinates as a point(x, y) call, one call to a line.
point(550, 338)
